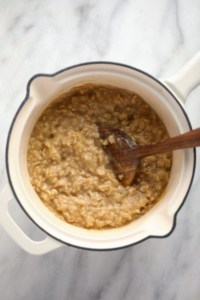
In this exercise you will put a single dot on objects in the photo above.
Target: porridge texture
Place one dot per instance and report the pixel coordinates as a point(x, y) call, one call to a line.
point(70, 171)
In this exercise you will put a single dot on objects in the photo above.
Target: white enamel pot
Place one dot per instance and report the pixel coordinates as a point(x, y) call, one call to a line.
point(166, 97)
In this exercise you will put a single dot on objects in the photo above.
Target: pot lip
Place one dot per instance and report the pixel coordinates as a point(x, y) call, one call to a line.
point(73, 67)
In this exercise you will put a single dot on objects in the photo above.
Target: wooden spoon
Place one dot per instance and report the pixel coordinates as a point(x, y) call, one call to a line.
point(125, 154)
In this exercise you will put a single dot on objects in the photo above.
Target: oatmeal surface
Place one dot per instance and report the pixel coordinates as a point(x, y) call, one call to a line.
point(72, 174)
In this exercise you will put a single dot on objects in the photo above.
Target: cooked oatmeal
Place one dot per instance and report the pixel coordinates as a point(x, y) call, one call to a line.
point(72, 174)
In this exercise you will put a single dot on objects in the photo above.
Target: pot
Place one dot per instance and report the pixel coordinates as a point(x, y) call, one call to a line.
point(166, 97)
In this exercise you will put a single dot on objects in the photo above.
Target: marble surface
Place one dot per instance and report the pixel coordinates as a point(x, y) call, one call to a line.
point(45, 36)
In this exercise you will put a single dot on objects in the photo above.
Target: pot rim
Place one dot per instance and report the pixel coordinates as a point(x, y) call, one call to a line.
point(73, 67)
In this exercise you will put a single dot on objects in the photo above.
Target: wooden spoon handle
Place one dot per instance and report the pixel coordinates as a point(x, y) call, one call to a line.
point(189, 139)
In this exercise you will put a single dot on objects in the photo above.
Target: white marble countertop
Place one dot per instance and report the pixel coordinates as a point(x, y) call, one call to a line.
point(45, 36)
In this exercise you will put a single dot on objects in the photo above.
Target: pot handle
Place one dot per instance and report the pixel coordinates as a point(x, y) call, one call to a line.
point(16, 233)
point(186, 79)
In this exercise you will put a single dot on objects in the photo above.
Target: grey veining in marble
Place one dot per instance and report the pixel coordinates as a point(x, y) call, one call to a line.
point(45, 36)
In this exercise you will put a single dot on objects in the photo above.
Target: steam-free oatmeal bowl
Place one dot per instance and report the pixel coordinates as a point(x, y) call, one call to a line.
point(60, 174)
